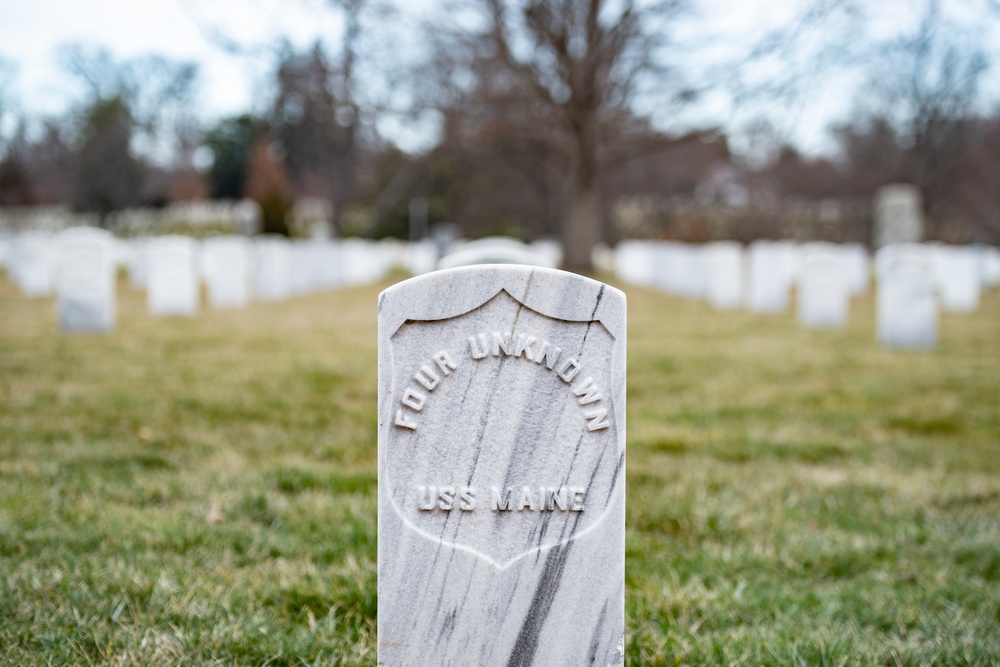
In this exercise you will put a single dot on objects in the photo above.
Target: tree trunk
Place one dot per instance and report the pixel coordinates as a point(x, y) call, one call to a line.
point(581, 229)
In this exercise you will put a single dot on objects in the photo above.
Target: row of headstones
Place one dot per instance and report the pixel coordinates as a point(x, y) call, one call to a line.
point(912, 279)
point(80, 265)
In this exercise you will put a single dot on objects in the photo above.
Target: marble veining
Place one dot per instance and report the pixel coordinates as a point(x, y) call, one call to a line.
point(501, 469)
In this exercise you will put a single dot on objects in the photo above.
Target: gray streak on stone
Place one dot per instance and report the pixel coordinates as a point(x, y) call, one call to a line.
point(531, 587)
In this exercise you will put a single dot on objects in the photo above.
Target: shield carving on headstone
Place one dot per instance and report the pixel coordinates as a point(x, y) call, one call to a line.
point(503, 438)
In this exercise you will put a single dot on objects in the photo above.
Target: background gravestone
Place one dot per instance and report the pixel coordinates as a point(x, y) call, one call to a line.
point(138, 262)
point(634, 262)
point(32, 263)
point(858, 267)
point(85, 279)
point(172, 277)
point(906, 303)
point(898, 215)
point(824, 289)
point(501, 469)
point(273, 275)
point(724, 274)
point(958, 277)
point(768, 276)
point(227, 271)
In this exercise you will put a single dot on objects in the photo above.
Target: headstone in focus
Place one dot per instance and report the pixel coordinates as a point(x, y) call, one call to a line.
point(227, 271)
point(906, 302)
point(501, 469)
point(173, 286)
point(824, 291)
point(724, 274)
point(898, 214)
point(86, 268)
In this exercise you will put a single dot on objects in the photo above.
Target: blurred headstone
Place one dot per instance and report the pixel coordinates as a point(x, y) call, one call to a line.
point(249, 218)
point(227, 262)
point(138, 262)
point(550, 249)
point(634, 261)
point(444, 235)
point(906, 303)
point(823, 290)
point(85, 279)
point(767, 277)
point(990, 266)
point(33, 263)
point(173, 286)
point(898, 214)
point(724, 274)
point(858, 268)
point(501, 469)
point(958, 277)
point(421, 257)
point(5, 250)
point(493, 250)
point(273, 275)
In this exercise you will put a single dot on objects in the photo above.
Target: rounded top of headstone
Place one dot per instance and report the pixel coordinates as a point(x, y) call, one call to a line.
point(451, 292)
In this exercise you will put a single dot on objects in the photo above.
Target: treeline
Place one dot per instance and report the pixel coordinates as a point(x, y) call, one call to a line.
point(537, 134)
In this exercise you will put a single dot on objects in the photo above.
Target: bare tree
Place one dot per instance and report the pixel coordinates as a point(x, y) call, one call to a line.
point(560, 75)
point(928, 88)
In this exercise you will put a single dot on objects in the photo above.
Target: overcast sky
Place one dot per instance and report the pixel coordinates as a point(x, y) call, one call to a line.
point(31, 32)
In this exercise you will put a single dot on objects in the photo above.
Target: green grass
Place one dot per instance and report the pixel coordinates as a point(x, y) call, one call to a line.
point(197, 492)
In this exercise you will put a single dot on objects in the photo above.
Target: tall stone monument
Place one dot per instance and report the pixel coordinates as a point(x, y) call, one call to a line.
point(501, 469)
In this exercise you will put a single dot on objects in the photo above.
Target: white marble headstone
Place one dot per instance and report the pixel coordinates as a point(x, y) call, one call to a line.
point(494, 250)
point(858, 267)
point(634, 261)
point(989, 266)
point(501, 469)
point(274, 267)
point(724, 274)
point(33, 263)
point(173, 286)
point(958, 277)
point(824, 290)
point(898, 214)
point(226, 262)
point(768, 277)
point(85, 279)
point(906, 303)
point(138, 262)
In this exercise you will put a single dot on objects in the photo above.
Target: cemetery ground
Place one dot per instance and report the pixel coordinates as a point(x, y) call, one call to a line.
point(203, 491)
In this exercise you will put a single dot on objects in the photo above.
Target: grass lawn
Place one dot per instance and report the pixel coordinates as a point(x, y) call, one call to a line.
point(196, 492)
